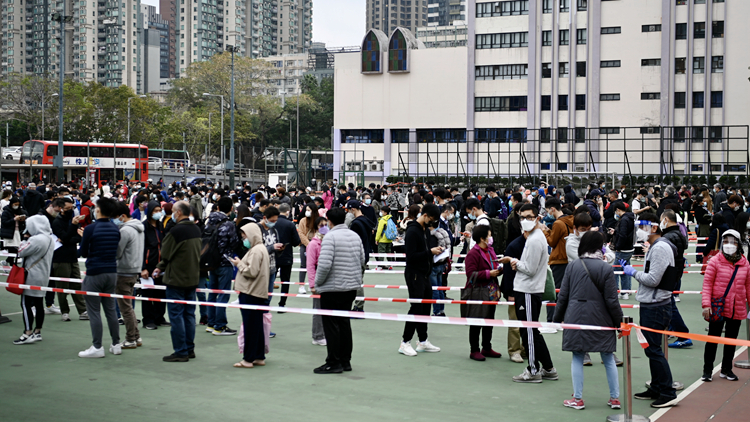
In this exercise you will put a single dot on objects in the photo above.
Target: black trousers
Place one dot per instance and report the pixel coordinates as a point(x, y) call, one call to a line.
point(285, 272)
point(528, 307)
point(153, 312)
point(709, 353)
point(558, 272)
point(338, 330)
point(27, 303)
point(486, 332)
point(419, 288)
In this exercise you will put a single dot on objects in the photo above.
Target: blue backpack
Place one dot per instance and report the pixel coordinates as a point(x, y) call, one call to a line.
point(391, 232)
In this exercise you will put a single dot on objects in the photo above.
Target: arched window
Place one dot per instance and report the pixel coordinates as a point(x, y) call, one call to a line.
point(371, 53)
point(397, 51)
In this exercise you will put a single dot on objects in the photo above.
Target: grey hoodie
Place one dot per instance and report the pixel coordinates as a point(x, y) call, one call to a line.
point(37, 254)
point(660, 256)
point(130, 248)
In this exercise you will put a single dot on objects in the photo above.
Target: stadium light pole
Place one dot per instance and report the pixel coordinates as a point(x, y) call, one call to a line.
point(43, 107)
point(223, 171)
point(230, 165)
point(62, 19)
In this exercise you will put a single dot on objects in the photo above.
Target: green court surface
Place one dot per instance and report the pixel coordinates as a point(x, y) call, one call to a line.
point(47, 380)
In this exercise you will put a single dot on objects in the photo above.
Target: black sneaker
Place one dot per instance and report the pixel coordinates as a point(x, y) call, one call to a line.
point(646, 395)
point(281, 306)
point(191, 354)
point(729, 375)
point(707, 377)
point(659, 403)
point(174, 358)
point(347, 366)
point(224, 331)
point(121, 321)
point(203, 321)
point(164, 324)
point(328, 369)
point(151, 326)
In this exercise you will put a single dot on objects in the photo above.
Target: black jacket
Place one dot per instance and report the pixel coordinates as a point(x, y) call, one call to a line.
point(623, 238)
point(418, 256)
point(287, 233)
point(729, 214)
point(570, 196)
point(369, 212)
point(514, 228)
point(33, 202)
point(363, 227)
point(8, 226)
point(152, 251)
point(674, 235)
point(609, 215)
point(67, 232)
point(671, 199)
point(513, 250)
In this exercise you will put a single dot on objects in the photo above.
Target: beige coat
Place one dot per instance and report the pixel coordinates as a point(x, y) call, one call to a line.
point(253, 271)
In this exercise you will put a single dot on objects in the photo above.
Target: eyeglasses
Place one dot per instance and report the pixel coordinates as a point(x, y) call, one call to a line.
point(529, 218)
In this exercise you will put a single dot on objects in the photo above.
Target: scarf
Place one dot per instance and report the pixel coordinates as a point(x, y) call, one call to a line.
point(595, 255)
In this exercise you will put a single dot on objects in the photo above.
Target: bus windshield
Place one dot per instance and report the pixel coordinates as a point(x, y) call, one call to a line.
point(32, 151)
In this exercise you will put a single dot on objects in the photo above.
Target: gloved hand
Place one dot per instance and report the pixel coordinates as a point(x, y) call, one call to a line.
point(627, 269)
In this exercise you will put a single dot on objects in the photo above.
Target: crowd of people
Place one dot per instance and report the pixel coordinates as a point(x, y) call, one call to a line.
point(517, 243)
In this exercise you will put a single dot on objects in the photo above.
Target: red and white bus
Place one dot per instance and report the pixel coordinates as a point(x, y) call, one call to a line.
point(79, 157)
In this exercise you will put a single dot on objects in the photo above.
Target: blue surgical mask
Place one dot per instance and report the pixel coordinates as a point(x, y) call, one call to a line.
point(156, 216)
point(117, 222)
point(368, 201)
point(472, 217)
point(270, 224)
point(246, 243)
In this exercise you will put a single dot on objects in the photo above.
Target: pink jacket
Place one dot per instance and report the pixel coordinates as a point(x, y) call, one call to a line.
point(313, 253)
point(718, 273)
point(327, 199)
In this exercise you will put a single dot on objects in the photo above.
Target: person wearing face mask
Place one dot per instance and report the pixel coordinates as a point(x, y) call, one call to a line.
point(319, 230)
point(13, 224)
point(719, 197)
point(732, 209)
point(477, 216)
point(718, 227)
point(50, 213)
point(558, 258)
point(671, 231)
point(129, 263)
point(363, 227)
point(153, 312)
point(437, 237)
point(372, 215)
point(623, 241)
point(289, 236)
point(657, 282)
point(582, 223)
point(727, 276)
point(529, 282)
point(742, 226)
point(385, 245)
point(141, 205)
point(33, 200)
point(65, 260)
point(419, 259)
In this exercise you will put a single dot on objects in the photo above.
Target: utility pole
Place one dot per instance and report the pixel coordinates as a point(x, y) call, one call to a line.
point(230, 165)
point(62, 19)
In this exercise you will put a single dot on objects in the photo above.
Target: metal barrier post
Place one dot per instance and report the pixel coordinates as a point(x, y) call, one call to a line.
point(627, 397)
point(744, 364)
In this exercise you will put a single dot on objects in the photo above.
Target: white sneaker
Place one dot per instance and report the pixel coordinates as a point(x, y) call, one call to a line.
point(235, 302)
point(302, 290)
point(84, 316)
point(65, 317)
point(676, 298)
point(624, 296)
point(516, 357)
point(426, 346)
point(36, 337)
point(407, 350)
point(548, 331)
point(52, 310)
point(320, 342)
point(92, 352)
point(116, 349)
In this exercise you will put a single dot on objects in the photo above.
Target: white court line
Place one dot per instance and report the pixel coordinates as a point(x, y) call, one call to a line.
point(661, 412)
point(14, 313)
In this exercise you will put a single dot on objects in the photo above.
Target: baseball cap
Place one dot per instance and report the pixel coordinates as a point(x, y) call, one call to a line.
point(353, 204)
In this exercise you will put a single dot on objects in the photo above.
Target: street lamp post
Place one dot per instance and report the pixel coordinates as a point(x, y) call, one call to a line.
point(62, 19)
point(231, 49)
point(43, 107)
point(208, 147)
point(223, 172)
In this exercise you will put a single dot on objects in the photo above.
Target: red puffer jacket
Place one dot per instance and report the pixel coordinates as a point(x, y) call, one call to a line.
point(716, 280)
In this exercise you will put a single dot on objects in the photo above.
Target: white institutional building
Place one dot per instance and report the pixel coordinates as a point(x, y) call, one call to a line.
point(641, 87)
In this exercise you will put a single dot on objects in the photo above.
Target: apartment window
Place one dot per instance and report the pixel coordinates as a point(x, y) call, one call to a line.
point(609, 130)
point(610, 63)
point(564, 37)
point(679, 66)
point(717, 99)
point(612, 30)
point(650, 62)
point(717, 29)
point(505, 40)
point(510, 71)
point(545, 136)
point(651, 28)
point(564, 5)
point(562, 135)
point(679, 100)
point(362, 136)
point(399, 136)
point(546, 38)
point(717, 64)
point(545, 166)
point(581, 102)
point(579, 135)
point(564, 70)
point(581, 36)
point(546, 102)
point(546, 70)
point(650, 96)
point(503, 8)
point(451, 136)
point(696, 167)
point(698, 99)
point(609, 97)
point(581, 69)
point(699, 65)
point(562, 102)
point(696, 134)
point(681, 31)
point(714, 134)
point(562, 166)
point(678, 134)
point(547, 6)
point(582, 5)
point(504, 135)
point(517, 103)
point(699, 30)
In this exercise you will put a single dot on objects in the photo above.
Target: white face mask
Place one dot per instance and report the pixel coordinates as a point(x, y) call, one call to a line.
point(663, 225)
point(729, 249)
point(748, 225)
point(191, 218)
point(527, 225)
point(646, 232)
point(308, 213)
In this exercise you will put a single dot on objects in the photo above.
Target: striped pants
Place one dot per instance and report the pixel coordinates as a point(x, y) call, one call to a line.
point(528, 307)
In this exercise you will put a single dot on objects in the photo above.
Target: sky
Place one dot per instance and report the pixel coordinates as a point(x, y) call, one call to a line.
point(338, 23)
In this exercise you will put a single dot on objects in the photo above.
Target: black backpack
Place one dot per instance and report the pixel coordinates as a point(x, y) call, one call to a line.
point(499, 235)
point(210, 255)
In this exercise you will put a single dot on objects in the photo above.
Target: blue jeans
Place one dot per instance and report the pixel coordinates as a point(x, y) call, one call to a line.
point(658, 317)
point(220, 279)
point(436, 279)
point(623, 280)
point(576, 369)
point(182, 318)
point(202, 283)
point(271, 280)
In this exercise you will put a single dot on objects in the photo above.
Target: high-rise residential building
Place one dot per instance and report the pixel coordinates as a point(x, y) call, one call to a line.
point(635, 88)
point(168, 12)
point(278, 27)
point(154, 21)
point(455, 35)
point(387, 15)
point(445, 12)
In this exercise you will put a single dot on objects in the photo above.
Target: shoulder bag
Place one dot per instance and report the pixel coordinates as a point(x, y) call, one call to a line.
point(718, 304)
point(474, 292)
point(18, 275)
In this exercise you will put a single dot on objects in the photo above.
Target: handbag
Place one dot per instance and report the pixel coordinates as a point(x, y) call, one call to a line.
point(718, 303)
point(18, 275)
point(707, 257)
point(549, 294)
point(475, 293)
point(15, 241)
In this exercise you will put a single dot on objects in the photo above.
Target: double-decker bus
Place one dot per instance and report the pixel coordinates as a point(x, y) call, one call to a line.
point(170, 159)
point(79, 157)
